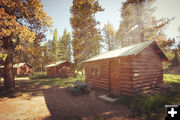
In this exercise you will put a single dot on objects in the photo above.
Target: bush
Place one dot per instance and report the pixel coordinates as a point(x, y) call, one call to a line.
point(150, 107)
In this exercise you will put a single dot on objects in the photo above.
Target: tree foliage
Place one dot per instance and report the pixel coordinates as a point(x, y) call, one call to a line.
point(57, 49)
point(22, 26)
point(86, 36)
point(65, 46)
point(54, 46)
point(138, 14)
point(109, 36)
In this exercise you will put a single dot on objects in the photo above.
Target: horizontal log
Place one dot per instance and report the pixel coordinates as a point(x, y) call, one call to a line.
point(146, 67)
point(140, 62)
point(125, 76)
point(143, 89)
point(125, 64)
point(126, 86)
point(105, 70)
point(146, 70)
point(146, 77)
point(125, 68)
point(126, 91)
point(152, 55)
point(146, 74)
point(99, 76)
point(99, 86)
point(142, 85)
point(125, 72)
point(146, 86)
point(127, 81)
point(99, 81)
point(134, 82)
point(145, 62)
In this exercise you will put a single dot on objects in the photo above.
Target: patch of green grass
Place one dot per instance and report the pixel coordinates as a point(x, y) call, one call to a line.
point(148, 107)
point(169, 78)
point(38, 82)
point(38, 75)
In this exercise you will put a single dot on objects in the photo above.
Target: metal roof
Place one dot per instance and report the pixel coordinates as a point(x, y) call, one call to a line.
point(16, 65)
point(55, 64)
point(125, 51)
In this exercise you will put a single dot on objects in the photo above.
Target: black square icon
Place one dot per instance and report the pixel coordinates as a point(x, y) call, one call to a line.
point(172, 112)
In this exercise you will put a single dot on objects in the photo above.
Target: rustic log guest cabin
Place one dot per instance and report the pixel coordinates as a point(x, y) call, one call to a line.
point(62, 69)
point(19, 69)
point(129, 70)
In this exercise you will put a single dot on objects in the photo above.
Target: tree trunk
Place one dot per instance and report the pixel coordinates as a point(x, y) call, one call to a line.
point(9, 82)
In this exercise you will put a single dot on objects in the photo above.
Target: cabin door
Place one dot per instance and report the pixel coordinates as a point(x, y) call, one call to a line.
point(114, 76)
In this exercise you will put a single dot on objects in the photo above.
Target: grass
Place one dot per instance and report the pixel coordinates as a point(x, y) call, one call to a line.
point(38, 82)
point(170, 78)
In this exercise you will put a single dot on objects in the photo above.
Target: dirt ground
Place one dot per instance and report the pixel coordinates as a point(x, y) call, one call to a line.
point(57, 104)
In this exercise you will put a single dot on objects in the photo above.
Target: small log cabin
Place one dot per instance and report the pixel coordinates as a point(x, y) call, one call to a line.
point(129, 70)
point(19, 69)
point(62, 69)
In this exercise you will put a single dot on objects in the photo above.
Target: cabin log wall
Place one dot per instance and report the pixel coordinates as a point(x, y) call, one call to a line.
point(125, 75)
point(147, 70)
point(102, 80)
point(63, 70)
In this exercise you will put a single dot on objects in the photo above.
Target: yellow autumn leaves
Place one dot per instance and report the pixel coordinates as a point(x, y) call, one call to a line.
point(22, 21)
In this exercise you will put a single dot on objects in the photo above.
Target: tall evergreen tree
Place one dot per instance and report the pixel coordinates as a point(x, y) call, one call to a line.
point(65, 46)
point(55, 49)
point(109, 36)
point(86, 37)
point(138, 23)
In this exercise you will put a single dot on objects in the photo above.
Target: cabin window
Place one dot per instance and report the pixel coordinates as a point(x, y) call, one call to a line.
point(95, 71)
point(49, 71)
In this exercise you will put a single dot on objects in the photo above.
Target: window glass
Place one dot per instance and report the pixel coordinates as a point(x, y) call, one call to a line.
point(95, 71)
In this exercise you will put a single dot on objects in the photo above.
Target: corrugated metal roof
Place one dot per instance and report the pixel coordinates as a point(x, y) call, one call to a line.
point(16, 65)
point(126, 51)
point(55, 64)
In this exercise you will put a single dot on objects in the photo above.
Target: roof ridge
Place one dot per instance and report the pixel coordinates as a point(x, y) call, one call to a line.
point(56, 63)
point(127, 50)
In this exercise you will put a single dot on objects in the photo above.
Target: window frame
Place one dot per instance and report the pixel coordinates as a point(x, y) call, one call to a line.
point(95, 70)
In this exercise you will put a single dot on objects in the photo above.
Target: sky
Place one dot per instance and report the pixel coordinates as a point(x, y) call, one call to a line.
point(59, 10)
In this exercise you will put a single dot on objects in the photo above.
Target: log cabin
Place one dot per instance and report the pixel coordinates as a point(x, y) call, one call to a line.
point(127, 71)
point(19, 69)
point(62, 69)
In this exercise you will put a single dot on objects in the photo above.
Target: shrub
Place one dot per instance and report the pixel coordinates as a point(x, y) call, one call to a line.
point(150, 107)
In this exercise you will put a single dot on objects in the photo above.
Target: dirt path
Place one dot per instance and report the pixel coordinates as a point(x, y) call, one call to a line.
point(23, 109)
point(57, 104)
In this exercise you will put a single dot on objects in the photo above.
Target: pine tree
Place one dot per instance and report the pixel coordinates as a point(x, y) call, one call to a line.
point(55, 49)
point(138, 23)
point(109, 36)
point(23, 23)
point(65, 46)
point(86, 37)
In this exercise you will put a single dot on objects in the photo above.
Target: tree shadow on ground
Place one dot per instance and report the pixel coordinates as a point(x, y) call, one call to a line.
point(64, 106)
